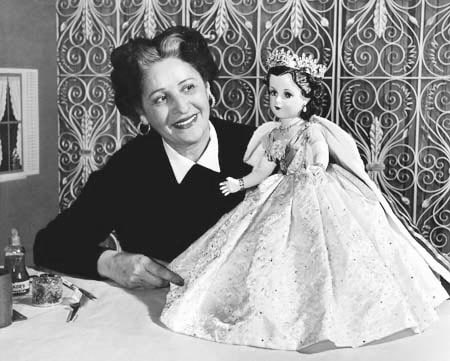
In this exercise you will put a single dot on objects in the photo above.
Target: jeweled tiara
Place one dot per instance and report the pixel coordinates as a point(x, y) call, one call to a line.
point(280, 57)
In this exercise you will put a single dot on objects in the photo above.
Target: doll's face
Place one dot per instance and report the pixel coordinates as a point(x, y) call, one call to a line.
point(286, 99)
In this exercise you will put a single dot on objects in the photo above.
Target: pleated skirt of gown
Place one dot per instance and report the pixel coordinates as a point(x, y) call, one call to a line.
point(301, 260)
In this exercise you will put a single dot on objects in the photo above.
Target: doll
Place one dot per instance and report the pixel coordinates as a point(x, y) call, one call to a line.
point(313, 253)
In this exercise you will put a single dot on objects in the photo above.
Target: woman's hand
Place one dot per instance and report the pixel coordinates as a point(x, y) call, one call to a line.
point(136, 270)
point(231, 185)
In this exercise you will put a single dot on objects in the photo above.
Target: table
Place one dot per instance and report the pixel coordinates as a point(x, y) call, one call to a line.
point(124, 325)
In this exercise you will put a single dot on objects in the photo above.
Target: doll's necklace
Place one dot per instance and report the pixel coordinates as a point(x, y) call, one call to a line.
point(287, 128)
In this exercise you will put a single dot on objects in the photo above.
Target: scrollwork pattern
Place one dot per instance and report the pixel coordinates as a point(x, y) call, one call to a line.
point(381, 37)
point(228, 26)
point(437, 39)
point(386, 82)
point(433, 175)
point(380, 116)
point(299, 24)
point(86, 138)
point(147, 17)
point(237, 100)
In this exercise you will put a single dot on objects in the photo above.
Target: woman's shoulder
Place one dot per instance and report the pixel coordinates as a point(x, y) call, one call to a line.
point(136, 150)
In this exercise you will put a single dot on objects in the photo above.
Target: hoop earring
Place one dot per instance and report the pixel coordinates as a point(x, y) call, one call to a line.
point(212, 100)
point(143, 126)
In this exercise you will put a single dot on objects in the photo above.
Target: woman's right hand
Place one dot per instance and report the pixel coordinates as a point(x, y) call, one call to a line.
point(136, 270)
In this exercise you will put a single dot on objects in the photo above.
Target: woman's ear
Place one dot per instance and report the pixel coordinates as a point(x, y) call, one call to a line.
point(143, 119)
point(144, 125)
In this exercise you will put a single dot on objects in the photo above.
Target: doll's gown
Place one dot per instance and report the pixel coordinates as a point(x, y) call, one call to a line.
point(300, 260)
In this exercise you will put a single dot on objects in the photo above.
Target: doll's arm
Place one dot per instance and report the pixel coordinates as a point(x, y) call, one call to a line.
point(319, 148)
point(264, 168)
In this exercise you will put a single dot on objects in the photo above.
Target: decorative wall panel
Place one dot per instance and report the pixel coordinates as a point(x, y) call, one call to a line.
point(387, 82)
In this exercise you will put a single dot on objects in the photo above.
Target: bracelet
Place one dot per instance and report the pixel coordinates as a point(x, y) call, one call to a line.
point(241, 184)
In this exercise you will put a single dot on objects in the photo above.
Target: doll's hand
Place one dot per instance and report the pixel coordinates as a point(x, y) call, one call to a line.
point(317, 170)
point(231, 185)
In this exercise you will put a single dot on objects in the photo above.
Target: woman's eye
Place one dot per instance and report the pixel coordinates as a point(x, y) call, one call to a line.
point(160, 99)
point(272, 93)
point(288, 95)
point(188, 87)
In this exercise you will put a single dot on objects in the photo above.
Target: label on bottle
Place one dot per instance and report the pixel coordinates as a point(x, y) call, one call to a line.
point(20, 288)
point(13, 253)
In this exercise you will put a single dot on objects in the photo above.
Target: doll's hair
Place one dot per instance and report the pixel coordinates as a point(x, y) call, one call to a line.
point(310, 87)
point(130, 59)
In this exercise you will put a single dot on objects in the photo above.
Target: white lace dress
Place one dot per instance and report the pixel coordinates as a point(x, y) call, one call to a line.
point(301, 260)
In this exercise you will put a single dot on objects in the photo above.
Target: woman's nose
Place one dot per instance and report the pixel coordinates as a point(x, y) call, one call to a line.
point(180, 104)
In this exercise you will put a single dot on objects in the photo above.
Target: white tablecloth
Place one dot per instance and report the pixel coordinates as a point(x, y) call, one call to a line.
point(124, 325)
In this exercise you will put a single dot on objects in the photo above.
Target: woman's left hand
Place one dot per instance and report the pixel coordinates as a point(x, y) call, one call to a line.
point(231, 185)
point(136, 270)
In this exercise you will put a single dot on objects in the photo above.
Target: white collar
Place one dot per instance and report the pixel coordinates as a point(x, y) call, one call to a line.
point(209, 159)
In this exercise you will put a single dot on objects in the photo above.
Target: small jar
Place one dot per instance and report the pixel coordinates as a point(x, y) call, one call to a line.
point(46, 290)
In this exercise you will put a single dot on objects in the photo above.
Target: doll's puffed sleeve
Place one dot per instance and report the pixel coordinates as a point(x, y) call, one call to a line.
point(318, 145)
point(258, 144)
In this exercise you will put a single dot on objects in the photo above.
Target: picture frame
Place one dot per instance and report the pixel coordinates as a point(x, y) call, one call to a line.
point(19, 123)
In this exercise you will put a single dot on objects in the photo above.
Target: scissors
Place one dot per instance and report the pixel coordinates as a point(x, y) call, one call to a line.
point(73, 287)
point(75, 306)
point(73, 313)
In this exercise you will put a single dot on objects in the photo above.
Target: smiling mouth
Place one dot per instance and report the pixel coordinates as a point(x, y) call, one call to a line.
point(185, 123)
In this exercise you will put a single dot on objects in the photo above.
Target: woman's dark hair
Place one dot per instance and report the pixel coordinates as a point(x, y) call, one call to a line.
point(309, 86)
point(130, 59)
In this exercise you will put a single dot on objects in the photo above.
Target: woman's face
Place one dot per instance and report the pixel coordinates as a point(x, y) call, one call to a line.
point(175, 103)
point(286, 99)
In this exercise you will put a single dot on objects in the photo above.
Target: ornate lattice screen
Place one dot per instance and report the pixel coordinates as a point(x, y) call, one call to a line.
point(387, 82)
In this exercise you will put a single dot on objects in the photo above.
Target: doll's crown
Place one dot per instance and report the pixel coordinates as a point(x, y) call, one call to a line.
point(280, 57)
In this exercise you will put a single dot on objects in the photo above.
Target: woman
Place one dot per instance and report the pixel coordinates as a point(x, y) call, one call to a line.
point(160, 191)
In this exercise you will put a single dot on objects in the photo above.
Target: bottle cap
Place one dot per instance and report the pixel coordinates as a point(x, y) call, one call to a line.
point(15, 238)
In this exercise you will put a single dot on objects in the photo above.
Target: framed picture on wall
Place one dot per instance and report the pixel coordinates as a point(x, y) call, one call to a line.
point(19, 123)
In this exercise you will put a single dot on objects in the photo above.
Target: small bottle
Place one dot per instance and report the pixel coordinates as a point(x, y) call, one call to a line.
point(15, 264)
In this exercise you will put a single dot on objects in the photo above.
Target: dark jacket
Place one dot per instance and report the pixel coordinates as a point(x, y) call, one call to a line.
point(136, 195)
